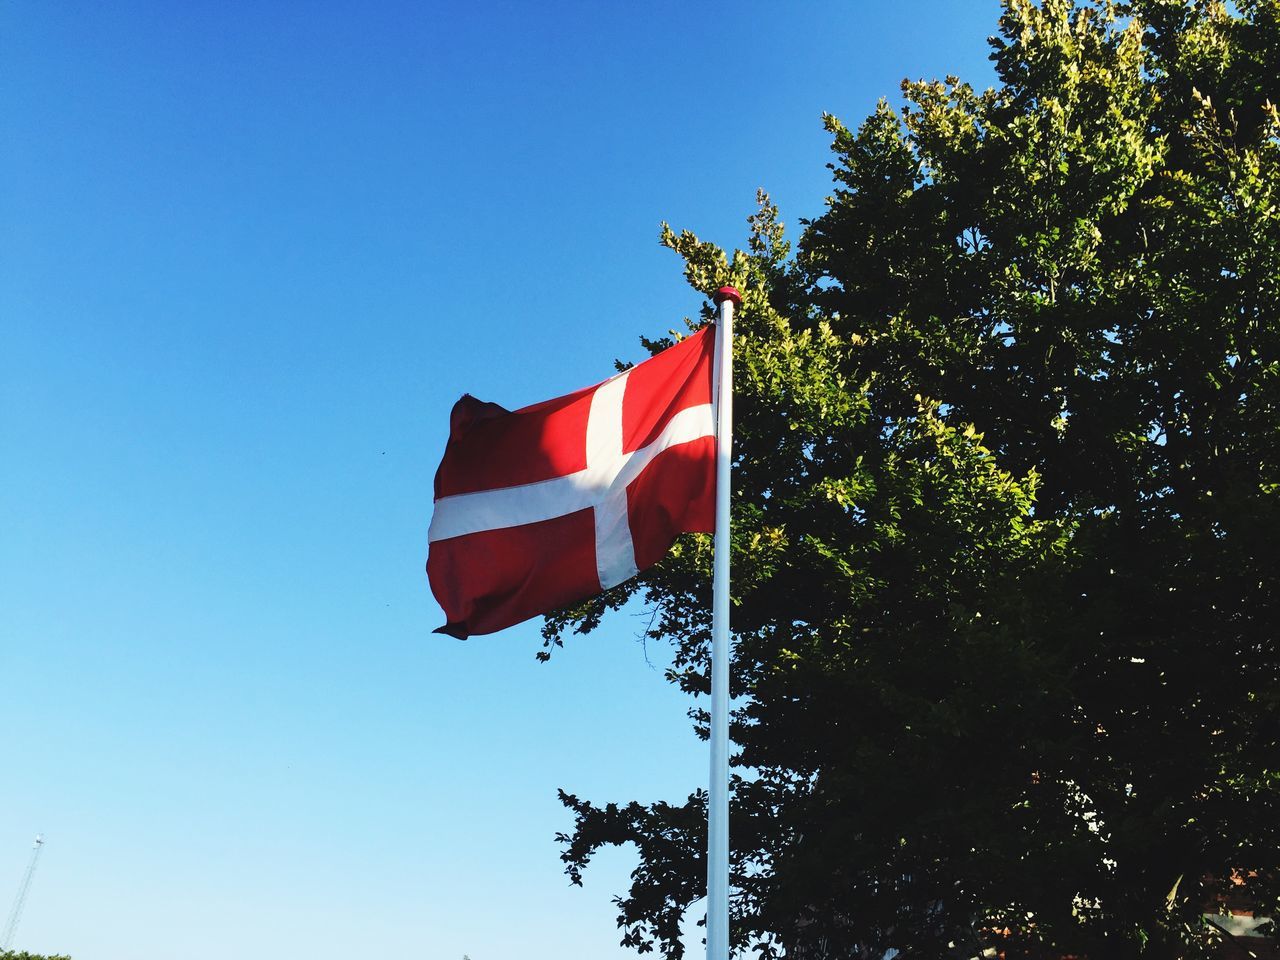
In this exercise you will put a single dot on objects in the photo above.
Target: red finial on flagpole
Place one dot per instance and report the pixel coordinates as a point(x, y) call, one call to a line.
point(728, 293)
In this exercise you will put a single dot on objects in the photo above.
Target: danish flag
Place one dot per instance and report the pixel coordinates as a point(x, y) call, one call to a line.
point(544, 506)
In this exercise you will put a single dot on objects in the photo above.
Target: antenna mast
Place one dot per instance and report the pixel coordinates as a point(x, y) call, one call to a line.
point(15, 914)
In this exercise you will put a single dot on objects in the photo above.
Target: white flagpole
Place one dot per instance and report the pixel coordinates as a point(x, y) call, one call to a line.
point(721, 651)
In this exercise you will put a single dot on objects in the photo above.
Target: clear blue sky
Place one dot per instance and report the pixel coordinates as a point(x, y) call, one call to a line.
point(250, 254)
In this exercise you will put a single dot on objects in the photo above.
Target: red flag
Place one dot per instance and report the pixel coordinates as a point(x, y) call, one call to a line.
point(545, 506)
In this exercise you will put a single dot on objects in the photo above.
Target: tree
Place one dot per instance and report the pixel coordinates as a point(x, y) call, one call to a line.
point(23, 955)
point(1006, 517)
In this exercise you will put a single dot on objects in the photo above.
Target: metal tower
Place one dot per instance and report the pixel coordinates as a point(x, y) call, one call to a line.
point(15, 914)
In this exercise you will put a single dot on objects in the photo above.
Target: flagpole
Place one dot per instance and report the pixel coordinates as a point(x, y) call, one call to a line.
point(721, 651)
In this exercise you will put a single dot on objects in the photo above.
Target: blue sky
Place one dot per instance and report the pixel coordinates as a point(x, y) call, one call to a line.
point(250, 254)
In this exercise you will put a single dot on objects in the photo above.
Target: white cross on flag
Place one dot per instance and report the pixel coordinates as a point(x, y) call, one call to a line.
point(545, 506)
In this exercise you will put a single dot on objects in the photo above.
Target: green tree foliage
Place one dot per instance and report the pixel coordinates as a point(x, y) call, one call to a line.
point(1006, 516)
point(23, 955)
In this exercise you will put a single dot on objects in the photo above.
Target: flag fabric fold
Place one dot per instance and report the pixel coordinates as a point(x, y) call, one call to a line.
point(545, 506)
